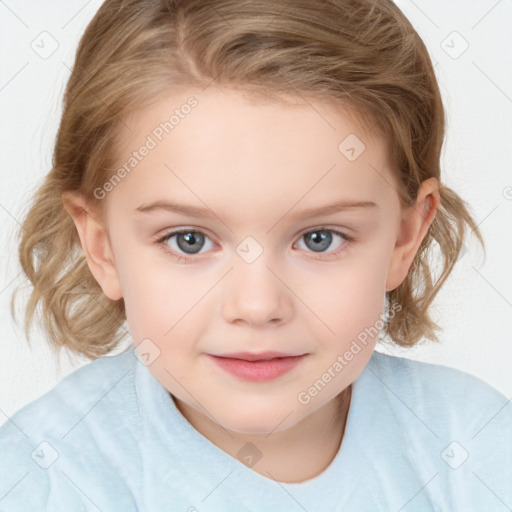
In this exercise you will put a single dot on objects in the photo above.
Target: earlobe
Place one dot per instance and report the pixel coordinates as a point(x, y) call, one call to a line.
point(95, 244)
point(414, 226)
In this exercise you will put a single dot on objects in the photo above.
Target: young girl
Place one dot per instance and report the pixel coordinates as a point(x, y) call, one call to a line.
point(297, 144)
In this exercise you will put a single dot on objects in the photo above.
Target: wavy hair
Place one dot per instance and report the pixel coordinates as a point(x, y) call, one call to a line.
point(363, 54)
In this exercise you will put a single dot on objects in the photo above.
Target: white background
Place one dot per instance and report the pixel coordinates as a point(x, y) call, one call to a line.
point(474, 307)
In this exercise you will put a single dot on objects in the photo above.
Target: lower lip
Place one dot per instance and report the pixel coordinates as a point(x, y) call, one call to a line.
point(258, 371)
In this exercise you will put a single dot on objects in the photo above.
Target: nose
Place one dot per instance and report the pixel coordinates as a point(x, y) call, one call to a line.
point(256, 294)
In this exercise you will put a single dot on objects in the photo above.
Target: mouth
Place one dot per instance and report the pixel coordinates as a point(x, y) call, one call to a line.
point(260, 356)
point(260, 367)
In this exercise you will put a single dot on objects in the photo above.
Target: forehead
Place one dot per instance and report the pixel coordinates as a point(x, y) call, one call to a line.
point(224, 146)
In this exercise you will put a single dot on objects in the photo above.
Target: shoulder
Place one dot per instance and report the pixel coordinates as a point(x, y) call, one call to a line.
point(448, 398)
point(424, 378)
point(65, 428)
point(74, 394)
point(447, 423)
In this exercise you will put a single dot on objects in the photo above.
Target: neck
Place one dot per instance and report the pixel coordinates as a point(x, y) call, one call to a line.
point(294, 455)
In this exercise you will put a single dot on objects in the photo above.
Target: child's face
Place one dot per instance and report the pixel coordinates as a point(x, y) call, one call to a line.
point(252, 281)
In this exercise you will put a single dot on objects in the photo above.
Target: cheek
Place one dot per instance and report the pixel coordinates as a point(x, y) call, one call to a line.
point(352, 300)
point(144, 288)
point(162, 301)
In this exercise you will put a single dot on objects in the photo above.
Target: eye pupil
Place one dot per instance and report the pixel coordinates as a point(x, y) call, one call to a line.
point(190, 239)
point(322, 241)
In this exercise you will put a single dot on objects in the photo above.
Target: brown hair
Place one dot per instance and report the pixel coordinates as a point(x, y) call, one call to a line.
point(364, 54)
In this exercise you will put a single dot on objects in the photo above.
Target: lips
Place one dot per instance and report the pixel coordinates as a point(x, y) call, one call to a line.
point(259, 367)
point(260, 356)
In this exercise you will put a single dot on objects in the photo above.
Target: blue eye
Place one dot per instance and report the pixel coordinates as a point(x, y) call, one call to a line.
point(190, 242)
point(321, 238)
point(187, 240)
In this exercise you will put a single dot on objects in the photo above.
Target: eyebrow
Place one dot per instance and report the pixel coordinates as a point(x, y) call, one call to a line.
point(200, 212)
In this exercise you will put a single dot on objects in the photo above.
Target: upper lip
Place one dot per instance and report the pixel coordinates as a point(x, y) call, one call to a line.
point(249, 356)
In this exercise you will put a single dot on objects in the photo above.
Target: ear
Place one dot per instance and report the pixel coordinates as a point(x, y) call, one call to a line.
point(413, 227)
point(95, 243)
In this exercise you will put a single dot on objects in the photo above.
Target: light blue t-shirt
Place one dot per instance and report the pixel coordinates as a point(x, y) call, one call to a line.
point(108, 437)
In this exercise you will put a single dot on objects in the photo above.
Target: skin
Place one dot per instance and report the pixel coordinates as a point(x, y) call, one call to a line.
point(256, 165)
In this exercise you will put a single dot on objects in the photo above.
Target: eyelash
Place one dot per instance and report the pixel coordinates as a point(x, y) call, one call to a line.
point(161, 242)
